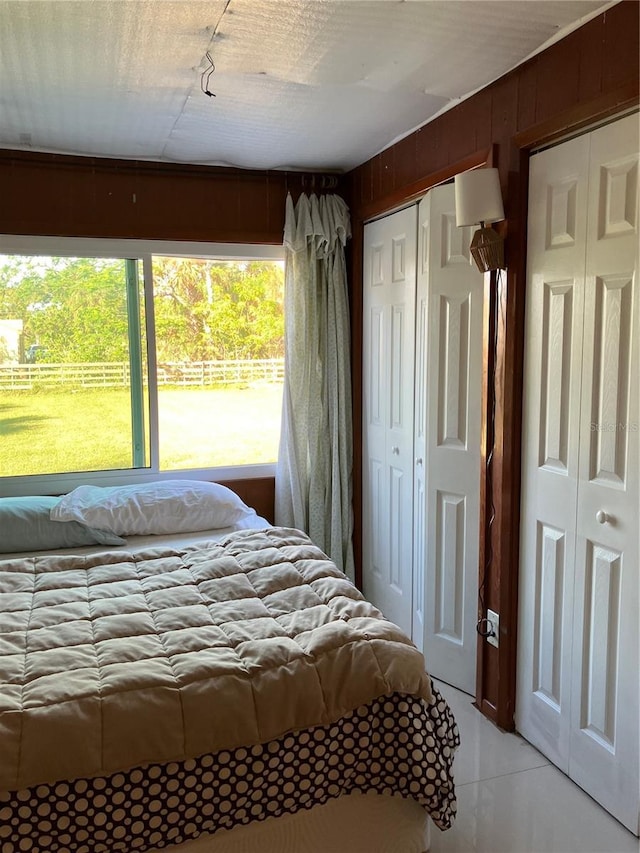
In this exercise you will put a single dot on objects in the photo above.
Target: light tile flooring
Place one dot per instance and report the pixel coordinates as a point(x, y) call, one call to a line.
point(512, 800)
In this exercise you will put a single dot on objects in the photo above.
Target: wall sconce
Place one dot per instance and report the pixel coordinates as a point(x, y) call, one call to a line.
point(479, 201)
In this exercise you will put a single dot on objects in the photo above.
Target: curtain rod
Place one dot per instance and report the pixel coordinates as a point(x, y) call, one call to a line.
point(320, 182)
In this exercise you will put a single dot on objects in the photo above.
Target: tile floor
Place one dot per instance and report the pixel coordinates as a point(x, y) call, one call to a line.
point(512, 800)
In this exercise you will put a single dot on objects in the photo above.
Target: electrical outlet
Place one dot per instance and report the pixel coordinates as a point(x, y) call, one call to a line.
point(494, 624)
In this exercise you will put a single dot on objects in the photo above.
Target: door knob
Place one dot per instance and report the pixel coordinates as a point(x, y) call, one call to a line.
point(602, 517)
point(419, 460)
point(395, 450)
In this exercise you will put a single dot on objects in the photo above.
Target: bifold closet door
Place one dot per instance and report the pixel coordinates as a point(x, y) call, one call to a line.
point(579, 675)
point(558, 188)
point(448, 423)
point(604, 753)
point(389, 289)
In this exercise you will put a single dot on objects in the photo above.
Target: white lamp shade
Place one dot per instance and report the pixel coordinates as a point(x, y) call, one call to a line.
point(478, 197)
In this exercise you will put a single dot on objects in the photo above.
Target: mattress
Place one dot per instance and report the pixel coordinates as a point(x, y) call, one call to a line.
point(271, 686)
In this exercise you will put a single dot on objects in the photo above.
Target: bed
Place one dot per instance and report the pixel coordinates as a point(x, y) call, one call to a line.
point(211, 692)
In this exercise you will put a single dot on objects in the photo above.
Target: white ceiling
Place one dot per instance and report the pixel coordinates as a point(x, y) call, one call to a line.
point(298, 84)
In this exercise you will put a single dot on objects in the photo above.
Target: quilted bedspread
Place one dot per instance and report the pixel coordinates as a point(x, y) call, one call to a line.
point(114, 660)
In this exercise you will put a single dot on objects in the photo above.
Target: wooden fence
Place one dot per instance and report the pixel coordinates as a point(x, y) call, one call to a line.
point(27, 377)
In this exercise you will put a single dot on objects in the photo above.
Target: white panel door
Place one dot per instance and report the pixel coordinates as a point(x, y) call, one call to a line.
point(449, 389)
point(389, 284)
point(604, 755)
point(578, 645)
point(558, 188)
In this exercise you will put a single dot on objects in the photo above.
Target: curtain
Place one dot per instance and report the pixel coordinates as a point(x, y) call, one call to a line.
point(313, 476)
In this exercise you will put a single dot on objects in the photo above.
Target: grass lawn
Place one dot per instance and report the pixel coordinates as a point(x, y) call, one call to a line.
point(90, 430)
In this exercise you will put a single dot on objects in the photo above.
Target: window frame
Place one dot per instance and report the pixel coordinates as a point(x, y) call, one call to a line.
point(144, 250)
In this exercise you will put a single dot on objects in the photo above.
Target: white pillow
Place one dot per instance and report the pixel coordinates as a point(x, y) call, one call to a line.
point(168, 506)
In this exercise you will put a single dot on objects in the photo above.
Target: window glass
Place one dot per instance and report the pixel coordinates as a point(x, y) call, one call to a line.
point(220, 361)
point(72, 361)
point(91, 381)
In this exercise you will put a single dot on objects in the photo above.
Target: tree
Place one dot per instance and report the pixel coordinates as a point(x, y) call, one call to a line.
point(207, 310)
point(76, 308)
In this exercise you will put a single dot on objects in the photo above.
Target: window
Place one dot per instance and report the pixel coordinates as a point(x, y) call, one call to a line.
point(122, 359)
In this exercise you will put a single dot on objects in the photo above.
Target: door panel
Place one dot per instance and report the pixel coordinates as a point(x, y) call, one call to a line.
point(605, 740)
point(451, 288)
point(558, 191)
point(388, 412)
point(578, 674)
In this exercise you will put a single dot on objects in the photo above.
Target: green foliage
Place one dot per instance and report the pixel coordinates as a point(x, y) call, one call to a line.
point(204, 310)
point(208, 310)
point(75, 307)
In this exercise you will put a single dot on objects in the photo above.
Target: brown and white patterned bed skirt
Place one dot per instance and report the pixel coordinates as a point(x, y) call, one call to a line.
point(394, 745)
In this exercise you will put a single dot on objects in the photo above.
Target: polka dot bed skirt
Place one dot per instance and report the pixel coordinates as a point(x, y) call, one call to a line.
point(393, 745)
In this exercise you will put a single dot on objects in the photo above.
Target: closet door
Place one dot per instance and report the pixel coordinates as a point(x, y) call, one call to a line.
point(604, 752)
point(558, 189)
point(448, 423)
point(578, 685)
point(389, 284)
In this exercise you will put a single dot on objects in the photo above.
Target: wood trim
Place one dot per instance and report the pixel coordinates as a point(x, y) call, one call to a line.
point(614, 103)
point(413, 191)
point(500, 484)
point(515, 298)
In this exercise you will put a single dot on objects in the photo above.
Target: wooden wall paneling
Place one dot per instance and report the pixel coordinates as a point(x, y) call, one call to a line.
point(115, 213)
point(504, 118)
point(376, 174)
point(480, 115)
point(431, 154)
point(461, 132)
point(527, 87)
point(561, 63)
point(404, 164)
point(55, 206)
point(386, 174)
point(590, 64)
point(374, 177)
point(203, 207)
point(613, 103)
point(620, 44)
point(252, 217)
point(365, 194)
point(275, 204)
point(257, 492)
point(80, 198)
point(85, 196)
point(416, 190)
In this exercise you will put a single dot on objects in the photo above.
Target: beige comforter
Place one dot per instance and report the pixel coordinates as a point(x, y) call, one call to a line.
point(119, 659)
